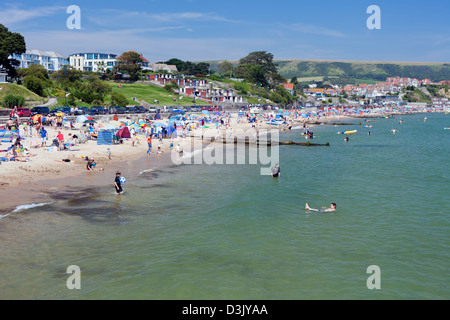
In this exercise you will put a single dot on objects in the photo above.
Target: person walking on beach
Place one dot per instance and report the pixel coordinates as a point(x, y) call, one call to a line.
point(43, 133)
point(330, 209)
point(118, 184)
point(149, 141)
point(60, 137)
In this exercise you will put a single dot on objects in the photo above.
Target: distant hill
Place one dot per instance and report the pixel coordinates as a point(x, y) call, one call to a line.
point(357, 71)
point(367, 70)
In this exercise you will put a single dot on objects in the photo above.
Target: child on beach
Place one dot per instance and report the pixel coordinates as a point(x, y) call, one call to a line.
point(118, 184)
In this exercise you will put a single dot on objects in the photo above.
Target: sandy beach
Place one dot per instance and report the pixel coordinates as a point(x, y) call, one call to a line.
point(32, 181)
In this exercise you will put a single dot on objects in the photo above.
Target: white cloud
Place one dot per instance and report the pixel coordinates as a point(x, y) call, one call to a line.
point(153, 48)
point(14, 15)
point(114, 17)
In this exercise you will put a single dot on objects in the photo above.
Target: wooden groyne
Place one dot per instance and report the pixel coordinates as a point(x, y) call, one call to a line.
point(248, 141)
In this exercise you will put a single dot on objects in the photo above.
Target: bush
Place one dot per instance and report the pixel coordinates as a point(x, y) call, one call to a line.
point(171, 87)
point(11, 101)
point(118, 100)
point(34, 84)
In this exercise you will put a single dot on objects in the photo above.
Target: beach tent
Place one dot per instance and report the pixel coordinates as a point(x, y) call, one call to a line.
point(124, 133)
point(157, 116)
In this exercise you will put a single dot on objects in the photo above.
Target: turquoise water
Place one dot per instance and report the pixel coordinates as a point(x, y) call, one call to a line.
point(226, 232)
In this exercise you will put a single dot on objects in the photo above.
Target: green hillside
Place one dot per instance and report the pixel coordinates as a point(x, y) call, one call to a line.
point(365, 70)
point(18, 90)
point(356, 71)
point(148, 93)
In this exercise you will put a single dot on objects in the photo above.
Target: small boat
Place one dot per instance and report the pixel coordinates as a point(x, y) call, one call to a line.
point(276, 123)
point(348, 132)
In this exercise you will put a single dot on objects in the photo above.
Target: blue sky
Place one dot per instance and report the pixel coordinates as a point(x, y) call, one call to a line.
point(228, 30)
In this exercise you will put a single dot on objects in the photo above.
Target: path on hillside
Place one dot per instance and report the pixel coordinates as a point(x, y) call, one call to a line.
point(50, 102)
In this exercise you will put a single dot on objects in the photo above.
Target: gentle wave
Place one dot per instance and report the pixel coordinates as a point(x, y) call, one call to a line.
point(24, 207)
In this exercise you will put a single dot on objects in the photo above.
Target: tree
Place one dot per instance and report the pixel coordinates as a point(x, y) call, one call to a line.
point(176, 62)
point(71, 101)
point(10, 43)
point(226, 68)
point(72, 77)
point(34, 84)
point(118, 99)
point(129, 63)
point(258, 67)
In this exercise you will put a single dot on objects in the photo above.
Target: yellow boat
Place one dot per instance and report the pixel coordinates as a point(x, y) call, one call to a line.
point(351, 132)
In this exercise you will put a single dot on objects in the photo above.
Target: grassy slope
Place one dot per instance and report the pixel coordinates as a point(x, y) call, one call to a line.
point(148, 93)
point(18, 90)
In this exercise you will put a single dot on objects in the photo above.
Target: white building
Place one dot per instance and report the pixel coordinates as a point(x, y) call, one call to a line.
point(50, 60)
point(93, 61)
point(164, 67)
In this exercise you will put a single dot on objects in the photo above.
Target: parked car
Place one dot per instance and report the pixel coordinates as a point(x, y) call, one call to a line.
point(139, 109)
point(152, 109)
point(65, 110)
point(81, 110)
point(40, 110)
point(22, 112)
point(116, 110)
point(97, 110)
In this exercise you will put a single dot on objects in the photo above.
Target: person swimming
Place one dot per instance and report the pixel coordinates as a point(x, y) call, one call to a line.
point(330, 209)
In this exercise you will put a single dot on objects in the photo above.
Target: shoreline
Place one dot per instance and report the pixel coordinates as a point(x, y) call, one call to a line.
point(36, 187)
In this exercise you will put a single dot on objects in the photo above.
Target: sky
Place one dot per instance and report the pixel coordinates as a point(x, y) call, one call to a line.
point(199, 30)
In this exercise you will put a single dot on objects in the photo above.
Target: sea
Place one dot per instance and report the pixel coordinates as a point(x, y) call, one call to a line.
point(226, 232)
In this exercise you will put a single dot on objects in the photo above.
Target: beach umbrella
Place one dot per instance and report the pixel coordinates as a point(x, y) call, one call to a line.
point(144, 125)
point(81, 119)
point(36, 118)
point(90, 121)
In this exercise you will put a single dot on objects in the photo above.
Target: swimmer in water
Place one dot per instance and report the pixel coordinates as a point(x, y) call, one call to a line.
point(330, 209)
